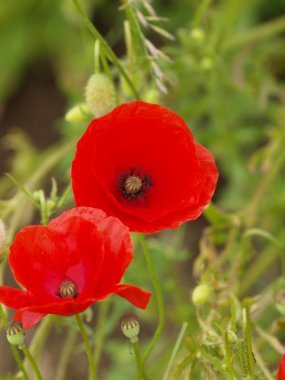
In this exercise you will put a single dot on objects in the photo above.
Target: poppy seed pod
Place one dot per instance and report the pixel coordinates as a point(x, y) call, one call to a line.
point(15, 333)
point(100, 95)
point(130, 327)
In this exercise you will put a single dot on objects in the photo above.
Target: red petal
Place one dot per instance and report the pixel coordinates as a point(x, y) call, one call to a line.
point(157, 141)
point(118, 249)
point(134, 295)
point(15, 298)
point(281, 369)
point(42, 258)
point(28, 318)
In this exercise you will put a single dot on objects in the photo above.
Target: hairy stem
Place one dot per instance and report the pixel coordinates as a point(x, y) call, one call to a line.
point(87, 346)
point(32, 362)
point(159, 296)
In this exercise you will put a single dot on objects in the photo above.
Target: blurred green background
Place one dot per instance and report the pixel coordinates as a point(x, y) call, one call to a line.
point(225, 76)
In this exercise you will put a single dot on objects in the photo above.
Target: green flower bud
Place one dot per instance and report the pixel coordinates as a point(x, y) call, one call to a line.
point(100, 95)
point(201, 294)
point(197, 35)
point(130, 327)
point(15, 333)
point(77, 113)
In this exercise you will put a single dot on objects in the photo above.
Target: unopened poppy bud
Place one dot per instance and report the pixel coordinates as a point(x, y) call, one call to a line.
point(15, 333)
point(3, 237)
point(100, 95)
point(77, 113)
point(201, 294)
point(130, 327)
point(197, 35)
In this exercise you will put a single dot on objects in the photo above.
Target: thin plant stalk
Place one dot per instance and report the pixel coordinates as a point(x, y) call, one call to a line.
point(139, 362)
point(32, 361)
point(106, 47)
point(176, 348)
point(65, 355)
point(99, 334)
point(87, 346)
point(159, 297)
point(228, 357)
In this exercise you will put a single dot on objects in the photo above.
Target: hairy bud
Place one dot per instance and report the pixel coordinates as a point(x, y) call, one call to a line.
point(100, 95)
point(201, 294)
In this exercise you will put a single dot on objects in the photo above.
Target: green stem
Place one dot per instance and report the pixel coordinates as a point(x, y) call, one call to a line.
point(32, 362)
point(181, 367)
point(251, 211)
point(175, 350)
point(97, 57)
point(87, 346)
point(106, 47)
point(157, 288)
point(247, 341)
point(139, 363)
point(260, 265)
point(228, 357)
point(50, 159)
point(259, 33)
point(200, 12)
point(14, 349)
point(100, 331)
point(65, 355)
point(41, 335)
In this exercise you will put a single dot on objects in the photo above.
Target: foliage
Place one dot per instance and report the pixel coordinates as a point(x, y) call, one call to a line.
point(224, 74)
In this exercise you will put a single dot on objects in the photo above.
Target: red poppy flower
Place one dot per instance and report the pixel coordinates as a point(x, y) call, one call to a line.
point(141, 164)
point(78, 259)
point(281, 369)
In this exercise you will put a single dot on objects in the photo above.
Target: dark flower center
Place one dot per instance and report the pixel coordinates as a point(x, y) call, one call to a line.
point(134, 184)
point(68, 290)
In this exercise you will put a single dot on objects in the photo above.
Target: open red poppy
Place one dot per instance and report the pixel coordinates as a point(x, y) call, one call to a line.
point(78, 259)
point(141, 164)
point(281, 369)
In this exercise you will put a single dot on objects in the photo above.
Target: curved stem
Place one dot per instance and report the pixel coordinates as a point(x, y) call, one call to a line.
point(109, 51)
point(139, 363)
point(158, 292)
point(32, 362)
point(87, 346)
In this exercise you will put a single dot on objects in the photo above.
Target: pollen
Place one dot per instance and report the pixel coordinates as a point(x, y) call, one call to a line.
point(68, 290)
point(133, 184)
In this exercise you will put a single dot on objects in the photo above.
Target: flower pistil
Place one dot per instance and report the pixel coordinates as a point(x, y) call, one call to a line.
point(134, 184)
point(68, 290)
